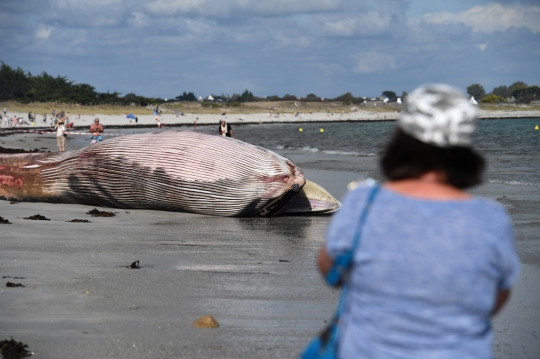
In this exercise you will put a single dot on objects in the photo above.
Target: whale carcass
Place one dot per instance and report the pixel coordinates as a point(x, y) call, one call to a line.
point(173, 171)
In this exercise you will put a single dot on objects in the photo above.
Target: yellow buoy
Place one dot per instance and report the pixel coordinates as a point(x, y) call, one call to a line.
point(300, 129)
point(536, 128)
point(321, 130)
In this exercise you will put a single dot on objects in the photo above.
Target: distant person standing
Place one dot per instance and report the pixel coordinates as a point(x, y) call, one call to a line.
point(96, 126)
point(60, 135)
point(225, 129)
point(5, 112)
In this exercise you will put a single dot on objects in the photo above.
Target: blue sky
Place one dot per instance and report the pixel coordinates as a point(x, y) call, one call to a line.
point(161, 48)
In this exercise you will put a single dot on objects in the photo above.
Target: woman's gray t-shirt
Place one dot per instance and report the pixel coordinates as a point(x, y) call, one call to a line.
point(425, 275)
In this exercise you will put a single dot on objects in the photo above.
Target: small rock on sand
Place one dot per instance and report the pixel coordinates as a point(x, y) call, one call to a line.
point(205, 322)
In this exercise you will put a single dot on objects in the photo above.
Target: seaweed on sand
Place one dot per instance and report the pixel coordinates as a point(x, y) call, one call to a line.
point(11, 349)
point(97, 213)
point(37, 217)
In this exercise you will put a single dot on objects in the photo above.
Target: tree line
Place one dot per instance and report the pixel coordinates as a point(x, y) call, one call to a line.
point(519, 92)
point(21, 86)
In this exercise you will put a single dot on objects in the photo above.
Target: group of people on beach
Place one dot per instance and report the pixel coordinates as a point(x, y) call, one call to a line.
point(6, 121)
point(60, 128)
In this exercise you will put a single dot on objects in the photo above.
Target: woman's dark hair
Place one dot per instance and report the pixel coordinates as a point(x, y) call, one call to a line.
point(406, 157)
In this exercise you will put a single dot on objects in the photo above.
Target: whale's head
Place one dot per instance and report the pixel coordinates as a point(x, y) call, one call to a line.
point(312, 199)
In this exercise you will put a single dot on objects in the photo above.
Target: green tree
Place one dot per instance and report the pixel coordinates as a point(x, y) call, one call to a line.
point(84, 93)
point(14, 84)
point(246, 96)
point(312, 98)
point(492, 98)
point(390, 95)
point(517, 89)
point(533, 90)
point(186, 96)
point(477, 91)
point(502, 91)
point(289, 97)
point(346, 98)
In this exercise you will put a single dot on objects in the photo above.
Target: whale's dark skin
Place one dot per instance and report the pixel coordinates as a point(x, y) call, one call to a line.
point(173, 171)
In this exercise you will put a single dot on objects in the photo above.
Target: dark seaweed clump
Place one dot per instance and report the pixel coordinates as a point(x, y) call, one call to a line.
point(97, 213)
point(79, 221)
point(4, 221)
point(11, 349)
point(37, 217)
point(14, 285)
point(17, 150)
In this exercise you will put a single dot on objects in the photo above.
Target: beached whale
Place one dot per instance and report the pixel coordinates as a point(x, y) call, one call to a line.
point(173, 171)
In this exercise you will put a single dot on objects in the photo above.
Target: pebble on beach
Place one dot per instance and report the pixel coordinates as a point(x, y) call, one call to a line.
point(206, 321)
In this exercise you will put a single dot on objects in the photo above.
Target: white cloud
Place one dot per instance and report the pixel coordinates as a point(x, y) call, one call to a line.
point(374, 62)
point(87, 13)
point(220, 8)
point(287, 41)
point(491, 18)
point(482, 47)
point(43, 32)
point(362, 24)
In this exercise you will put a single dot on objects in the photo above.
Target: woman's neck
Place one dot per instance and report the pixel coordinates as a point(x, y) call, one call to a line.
point(431, 185)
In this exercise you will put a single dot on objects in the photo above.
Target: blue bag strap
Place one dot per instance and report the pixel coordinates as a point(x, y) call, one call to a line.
point(356, 241)
point(343, 261)
point(363, 217)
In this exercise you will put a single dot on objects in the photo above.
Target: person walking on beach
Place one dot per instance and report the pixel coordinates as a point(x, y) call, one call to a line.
point(96, 126)
point(60, 135)
point(434, 263)
point(225, 129)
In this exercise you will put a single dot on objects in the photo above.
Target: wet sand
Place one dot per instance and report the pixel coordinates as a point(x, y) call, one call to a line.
point(257, 277)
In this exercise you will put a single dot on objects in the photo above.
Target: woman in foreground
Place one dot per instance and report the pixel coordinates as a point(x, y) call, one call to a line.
point(434, 263)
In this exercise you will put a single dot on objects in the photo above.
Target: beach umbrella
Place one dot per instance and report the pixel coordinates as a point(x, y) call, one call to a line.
point(130, 116)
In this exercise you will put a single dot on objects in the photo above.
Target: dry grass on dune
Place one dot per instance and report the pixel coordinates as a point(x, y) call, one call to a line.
point(185, 107)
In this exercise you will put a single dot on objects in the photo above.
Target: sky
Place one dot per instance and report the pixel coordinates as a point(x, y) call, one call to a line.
point(161, 48)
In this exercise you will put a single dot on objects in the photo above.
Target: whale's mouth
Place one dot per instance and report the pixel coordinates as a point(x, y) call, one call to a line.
point(312, 199)
point(309, 199)
point(279, 204)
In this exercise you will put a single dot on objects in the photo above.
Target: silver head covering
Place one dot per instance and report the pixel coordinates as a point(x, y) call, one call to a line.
point(439, 115)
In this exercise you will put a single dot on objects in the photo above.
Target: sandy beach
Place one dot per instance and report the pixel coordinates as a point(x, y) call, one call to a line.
point(256, 277)
point(235, 117)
